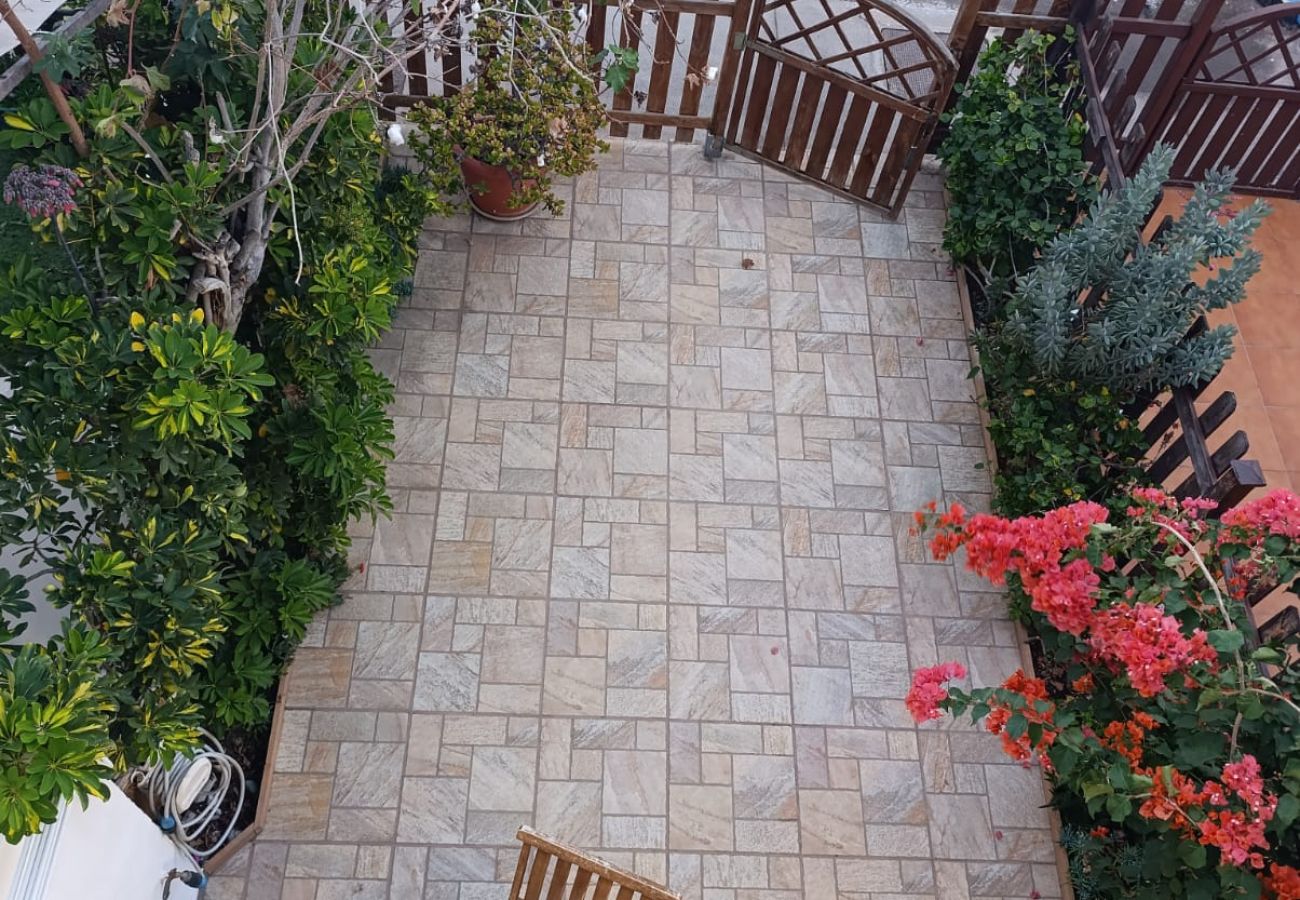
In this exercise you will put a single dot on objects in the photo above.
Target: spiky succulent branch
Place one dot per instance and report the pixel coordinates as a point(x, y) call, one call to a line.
point(1103, 306)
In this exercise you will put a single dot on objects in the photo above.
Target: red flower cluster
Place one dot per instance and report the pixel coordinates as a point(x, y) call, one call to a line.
point(1282, 882)
point(1139, 638)
point(1148, 644)
point(1030, 691)
point(1277, 512)
point(928, 689)
point(1184, 516)
point(1125, 738)
point(1230, 816)
point(1034, 548)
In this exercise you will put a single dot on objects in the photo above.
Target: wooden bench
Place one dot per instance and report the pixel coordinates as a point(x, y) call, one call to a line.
point(574, 875)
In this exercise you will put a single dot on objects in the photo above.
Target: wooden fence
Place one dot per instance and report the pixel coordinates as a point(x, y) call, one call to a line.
point(554, 871)
point(687, 64)
point(1223, 93)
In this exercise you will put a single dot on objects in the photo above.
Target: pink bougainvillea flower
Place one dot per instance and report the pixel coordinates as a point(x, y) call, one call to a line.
point(1035, 549)
point(929, 689)
point(1147, 644)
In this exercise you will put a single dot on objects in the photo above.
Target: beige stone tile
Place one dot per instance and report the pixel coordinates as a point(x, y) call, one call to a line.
point(831, 824)
point(644, 586)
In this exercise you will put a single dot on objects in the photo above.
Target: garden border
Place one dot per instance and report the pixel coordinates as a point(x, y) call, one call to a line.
point(1022, 636)
point(245, 837)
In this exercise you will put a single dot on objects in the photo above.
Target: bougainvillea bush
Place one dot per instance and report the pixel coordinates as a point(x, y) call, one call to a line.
point(1172, 743)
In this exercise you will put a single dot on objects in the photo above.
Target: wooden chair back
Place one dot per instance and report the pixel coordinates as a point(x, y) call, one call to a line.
point(548, 870)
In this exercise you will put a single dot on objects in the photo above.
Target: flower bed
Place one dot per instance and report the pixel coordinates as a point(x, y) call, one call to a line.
point(1174, 748)
point(1169, 739)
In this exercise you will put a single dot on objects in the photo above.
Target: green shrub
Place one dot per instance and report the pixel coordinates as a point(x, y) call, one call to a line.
point(185, 465)
point(1057, 441)
point(120, 439)
point(1014, 159)
point(54, 717)
point(1105, 308)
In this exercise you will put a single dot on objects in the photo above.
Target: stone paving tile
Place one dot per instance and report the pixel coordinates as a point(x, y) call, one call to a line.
point(649, 584)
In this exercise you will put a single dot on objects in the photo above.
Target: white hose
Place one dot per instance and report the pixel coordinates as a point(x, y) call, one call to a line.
point(160, 785)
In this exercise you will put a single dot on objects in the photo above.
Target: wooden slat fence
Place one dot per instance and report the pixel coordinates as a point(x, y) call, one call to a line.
point(680, 44)
point(1225, 93)
point(1236, 102)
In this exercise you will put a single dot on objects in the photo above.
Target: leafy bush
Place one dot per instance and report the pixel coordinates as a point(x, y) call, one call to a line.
point(1105, 308)
point(53, 718)
point(1056, 440)
point(1014, 159)
point(191, 420)
point(1166, 741)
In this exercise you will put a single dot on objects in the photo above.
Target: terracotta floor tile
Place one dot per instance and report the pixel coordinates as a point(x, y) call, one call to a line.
point(1270, 321)
point(1278, 374)
point(1286, 428)
point(1284, 220)
point(1238, 376)
point(1280, 479)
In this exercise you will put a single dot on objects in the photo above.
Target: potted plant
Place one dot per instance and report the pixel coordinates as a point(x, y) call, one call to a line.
point(530, 112)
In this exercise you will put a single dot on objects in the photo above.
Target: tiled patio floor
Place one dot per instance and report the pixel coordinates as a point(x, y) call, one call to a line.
point(649, 586)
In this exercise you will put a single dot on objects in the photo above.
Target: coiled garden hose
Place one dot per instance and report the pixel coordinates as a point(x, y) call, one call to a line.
point(185, 816)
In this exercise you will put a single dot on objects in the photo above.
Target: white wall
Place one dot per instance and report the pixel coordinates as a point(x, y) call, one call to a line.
point(31, 13)
point(44, 621)
point(109, 851)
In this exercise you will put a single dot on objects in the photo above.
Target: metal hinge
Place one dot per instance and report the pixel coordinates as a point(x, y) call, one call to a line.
point(738, 40)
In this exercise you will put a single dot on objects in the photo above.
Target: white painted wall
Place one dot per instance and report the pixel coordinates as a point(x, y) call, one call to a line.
point(108, 851)
point(44, 621)
point(31, 13)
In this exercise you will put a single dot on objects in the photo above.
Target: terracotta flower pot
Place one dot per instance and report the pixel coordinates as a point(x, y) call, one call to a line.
point(490, 189)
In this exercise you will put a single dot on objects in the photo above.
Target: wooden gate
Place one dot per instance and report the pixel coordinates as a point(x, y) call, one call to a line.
point(845, 96)
point(1224, 94)
point(1237, 103)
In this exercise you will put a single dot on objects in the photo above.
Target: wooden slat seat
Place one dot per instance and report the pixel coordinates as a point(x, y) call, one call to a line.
point(549, 870)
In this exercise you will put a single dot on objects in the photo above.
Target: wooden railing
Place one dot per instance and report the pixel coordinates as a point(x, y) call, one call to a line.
point(1224, 93)
point(574, 874)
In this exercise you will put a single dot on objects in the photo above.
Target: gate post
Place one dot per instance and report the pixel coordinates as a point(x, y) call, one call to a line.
point(966, 39)
point(743, 15)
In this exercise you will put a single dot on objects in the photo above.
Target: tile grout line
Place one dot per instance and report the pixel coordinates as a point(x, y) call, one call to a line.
point(555, 509)
point(424, 594)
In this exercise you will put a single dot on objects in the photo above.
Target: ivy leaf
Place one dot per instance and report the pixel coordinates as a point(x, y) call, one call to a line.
point(1093, 789)
point(1198, 748)
point(1226, 640)
point(1192, 854)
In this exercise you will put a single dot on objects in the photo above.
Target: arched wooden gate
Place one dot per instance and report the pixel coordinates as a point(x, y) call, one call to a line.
point(845, 97)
